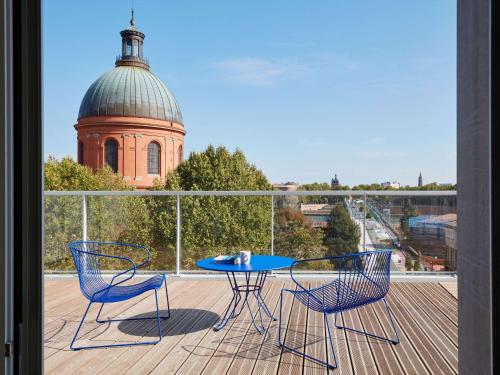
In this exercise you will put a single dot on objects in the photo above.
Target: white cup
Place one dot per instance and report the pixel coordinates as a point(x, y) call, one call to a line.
point(237, 261)
point(245, 257)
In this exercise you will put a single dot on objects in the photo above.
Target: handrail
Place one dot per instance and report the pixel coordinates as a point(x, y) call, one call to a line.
point(276, 193)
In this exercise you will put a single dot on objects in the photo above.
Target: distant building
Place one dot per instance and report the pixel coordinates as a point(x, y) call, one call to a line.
point(436, 239)
point(335, 182)
point(287, 186)
point(389, 184)
point(420, 180)
point(318, 213)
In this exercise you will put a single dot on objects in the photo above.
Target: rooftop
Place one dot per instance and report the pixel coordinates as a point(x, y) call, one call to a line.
point(426, 315)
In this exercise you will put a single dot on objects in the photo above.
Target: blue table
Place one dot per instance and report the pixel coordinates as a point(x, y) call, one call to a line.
point(260, 265)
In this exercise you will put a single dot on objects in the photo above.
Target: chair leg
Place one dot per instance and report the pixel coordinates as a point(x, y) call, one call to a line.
point(328, 337)
point(168, 302)
point(157, 317)
point(71, 346)
point(98, 314)
point(363, 332)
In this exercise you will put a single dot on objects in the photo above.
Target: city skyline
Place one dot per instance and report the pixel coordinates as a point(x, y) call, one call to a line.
point(302, 100)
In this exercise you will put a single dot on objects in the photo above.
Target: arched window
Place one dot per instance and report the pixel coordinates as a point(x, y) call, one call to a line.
point(153, 158)
point(111, 154)
point(80, 152)
point(180, 155)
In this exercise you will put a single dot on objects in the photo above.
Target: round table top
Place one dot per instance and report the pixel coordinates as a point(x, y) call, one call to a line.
point(257, 263)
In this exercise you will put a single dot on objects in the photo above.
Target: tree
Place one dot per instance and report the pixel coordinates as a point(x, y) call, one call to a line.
point(214, 225)
point(342, 234)
point(409, 210)
point(122, 219)
point(408, 263)
point(68, 175)
point(314, 199)
point(295, 236)
point(416, 264)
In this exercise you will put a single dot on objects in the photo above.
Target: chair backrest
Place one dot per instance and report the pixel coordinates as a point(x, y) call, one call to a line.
point(364, 277)
point(86, 255)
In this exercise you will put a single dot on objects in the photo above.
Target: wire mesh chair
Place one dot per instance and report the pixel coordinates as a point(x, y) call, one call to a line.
point(363, 278)
point(89, 258)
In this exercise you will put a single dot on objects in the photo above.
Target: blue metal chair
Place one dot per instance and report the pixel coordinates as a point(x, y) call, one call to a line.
point(363, 278)
point(88, 258)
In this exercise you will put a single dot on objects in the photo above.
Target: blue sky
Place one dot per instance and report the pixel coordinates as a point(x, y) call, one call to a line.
point(365, 89)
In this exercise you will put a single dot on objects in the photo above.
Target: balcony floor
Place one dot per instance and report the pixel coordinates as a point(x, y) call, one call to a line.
point(426, 315)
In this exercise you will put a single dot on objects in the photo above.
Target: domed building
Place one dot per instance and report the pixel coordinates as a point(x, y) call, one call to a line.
point(130, 120)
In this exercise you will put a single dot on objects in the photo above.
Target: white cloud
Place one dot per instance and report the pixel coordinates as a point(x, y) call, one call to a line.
point(253, 71)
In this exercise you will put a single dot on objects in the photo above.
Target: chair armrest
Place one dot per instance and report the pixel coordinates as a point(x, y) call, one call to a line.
point(144, 263)
point(116, 257)
point(302, 261)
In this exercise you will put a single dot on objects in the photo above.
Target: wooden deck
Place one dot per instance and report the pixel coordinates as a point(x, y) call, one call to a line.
point(426, 315)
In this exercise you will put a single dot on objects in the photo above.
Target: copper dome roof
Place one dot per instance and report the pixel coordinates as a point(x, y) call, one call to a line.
point(130, 91)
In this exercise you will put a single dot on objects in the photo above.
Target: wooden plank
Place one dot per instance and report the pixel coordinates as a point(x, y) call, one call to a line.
point(404, 351)
point(291, 363)
point(441, 299)
point(443, 344)
point(382, 351)
point(249, 349)
point(269, 354)
point(176, 357)
point(424, 347)
point(434, 314)
point(315, 340)
point(342, 349)
point(202, 354)
point(451, 287)
point(69, 324)
point(92, 360)
point(424, 313)
point(361, 355)
point(195, 305)
point(228, 348)
point(62, 326)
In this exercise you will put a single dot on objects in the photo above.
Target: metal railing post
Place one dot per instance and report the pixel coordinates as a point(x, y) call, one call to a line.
point(84, 217)
point(178, 239)
point(272, 224)
point(364, 224)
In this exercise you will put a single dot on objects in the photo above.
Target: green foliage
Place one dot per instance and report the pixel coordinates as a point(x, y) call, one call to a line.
point(123, 219)
point(316, 186)
point(213, 225)
point(408, 263)
point(68, 175)
point(295, 237)
point(409, 210)
point(342, 234)
point(416, 264)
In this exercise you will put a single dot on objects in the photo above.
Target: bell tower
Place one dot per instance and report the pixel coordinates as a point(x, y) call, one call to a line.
point(132, 47)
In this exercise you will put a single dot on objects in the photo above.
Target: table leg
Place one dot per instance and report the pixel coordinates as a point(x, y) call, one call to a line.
point(241, 294)
point(231, 308)
point(258, 295)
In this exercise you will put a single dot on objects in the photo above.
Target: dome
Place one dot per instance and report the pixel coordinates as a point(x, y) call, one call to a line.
point(130, 91)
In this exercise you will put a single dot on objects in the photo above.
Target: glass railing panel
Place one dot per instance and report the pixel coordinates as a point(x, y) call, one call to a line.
point(299, 223)
point(62, 224)
point(143, 220)
point(421, 230)
point(224, 225)
point(419, 227)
